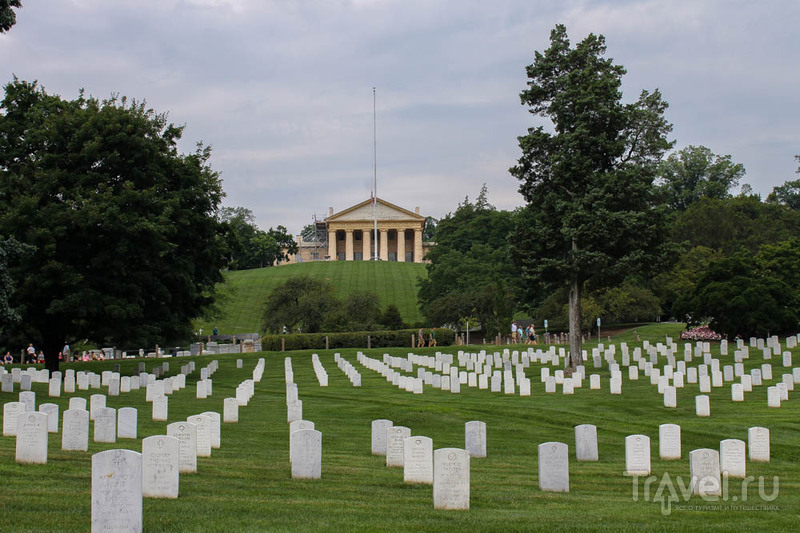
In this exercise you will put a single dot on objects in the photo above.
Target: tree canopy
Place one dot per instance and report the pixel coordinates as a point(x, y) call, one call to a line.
point(127, 246)
point(588, 177)
point(695, 172)
point(251, 247)
point(787, 194)
point(7, 15)
point(751, 295)
point(470, 273)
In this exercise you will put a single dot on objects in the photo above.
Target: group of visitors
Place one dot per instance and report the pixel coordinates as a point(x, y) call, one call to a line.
point(524, 335)
point(431, 338)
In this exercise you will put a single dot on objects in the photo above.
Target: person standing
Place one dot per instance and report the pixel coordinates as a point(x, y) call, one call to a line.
point(420, 338)
point(31, 354)
point(432, 337)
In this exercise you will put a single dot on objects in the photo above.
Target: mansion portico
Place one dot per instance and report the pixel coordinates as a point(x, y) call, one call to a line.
point(349, 235)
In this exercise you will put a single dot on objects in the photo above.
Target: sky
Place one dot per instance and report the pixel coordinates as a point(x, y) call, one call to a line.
point(283, 90)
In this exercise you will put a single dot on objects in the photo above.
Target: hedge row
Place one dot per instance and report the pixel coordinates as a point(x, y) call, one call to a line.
point(357, 339)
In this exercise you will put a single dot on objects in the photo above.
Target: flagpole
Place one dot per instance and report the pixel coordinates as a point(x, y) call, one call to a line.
point(375, 174)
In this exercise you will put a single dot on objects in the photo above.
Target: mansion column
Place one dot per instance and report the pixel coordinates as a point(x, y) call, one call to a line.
point(418, 245)
point(366, 253)
point(384, 244)
point(348, 245)
point(332, 245)
point(401, 245)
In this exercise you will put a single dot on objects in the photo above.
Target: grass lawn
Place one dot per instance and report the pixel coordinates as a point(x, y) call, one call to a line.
point(244, 291)
point(247, 486)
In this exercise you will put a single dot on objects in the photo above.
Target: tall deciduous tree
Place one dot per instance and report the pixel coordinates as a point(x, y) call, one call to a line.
point(470, 272)
point(787, 194)
point(7, 16)
point(127, 244)
point(588, 176)
point(694, 173)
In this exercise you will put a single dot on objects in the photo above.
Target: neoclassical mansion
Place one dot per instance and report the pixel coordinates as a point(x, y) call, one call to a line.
point(349, 234)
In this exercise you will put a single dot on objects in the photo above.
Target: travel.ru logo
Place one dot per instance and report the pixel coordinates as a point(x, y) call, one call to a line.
point(674, 490)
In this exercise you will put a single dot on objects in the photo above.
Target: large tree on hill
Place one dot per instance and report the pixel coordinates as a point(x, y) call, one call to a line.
point(695, 172)
point(470, 273)
point(787, 194)
point(588, 176)
point(127, 247)
point(251, 247)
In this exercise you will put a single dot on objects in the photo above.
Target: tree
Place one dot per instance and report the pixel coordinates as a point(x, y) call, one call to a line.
point(727, 224)
point(250, 247)
point(588, 181)
point(240, 229)
point(694, 173)
point(7, 16)
point(787, 194)
point(392, 319)
point(9, 251)
point(745, 295)
point(469, 262)
point(301, 301)
point(127, 246)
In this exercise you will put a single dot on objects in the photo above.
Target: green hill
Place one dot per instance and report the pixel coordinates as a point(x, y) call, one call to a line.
point(244, 291)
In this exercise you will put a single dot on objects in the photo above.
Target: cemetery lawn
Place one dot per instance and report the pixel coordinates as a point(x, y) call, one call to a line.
point(246, 485)
point(244, 291)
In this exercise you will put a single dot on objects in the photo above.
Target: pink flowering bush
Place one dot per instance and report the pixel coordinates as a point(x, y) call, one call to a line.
point(700, 333)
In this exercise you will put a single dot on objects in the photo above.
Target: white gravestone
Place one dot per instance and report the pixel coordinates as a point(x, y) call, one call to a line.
point(10, 412)
point(52, 416)
point(203, 424)
point(160, 408)
point(105, 425)
point(379, 428)
point(758, 444)
point(78, 403)
point(670, 396)
point(306, 454)
point(637, 455)
point(395, 441)
point(704, 472)
point(451, 479)
point(216, 428)
point(553, 467)
point(669, 441)
point(297, 425)
point(29, 399)
point(32, 438)
point(186, 433)
point(294, 411)
point(54, 388)
point(702, 405)
point(160, 467)
point(732, 458)
point(75, 430)
point(96, 401)
point(475, 438)
point(418, 461)
point(126, 423)
point(586, 442)
point(230, 410)
point(117, 491)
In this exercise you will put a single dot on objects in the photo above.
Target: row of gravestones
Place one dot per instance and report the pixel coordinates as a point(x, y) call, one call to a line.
point(193, 438)
point(452, 382)
point(349, 370)
point(106, 429)
point(305, 442)
point(121, 478)
point(109, 424)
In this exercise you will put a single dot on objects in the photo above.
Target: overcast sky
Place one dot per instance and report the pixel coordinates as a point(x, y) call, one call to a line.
point(283, 90)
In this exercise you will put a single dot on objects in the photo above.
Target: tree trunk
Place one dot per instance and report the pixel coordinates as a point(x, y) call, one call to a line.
point(574, 357)
point(51, 347)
